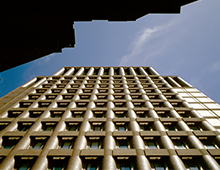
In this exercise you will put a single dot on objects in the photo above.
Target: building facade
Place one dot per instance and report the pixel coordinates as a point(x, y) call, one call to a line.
point(109, 118)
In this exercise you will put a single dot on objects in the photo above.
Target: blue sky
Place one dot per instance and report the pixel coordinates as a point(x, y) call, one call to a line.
point(186, 44)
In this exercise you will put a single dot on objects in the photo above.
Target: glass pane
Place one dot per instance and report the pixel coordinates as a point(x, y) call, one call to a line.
point(7, 147)
point(66, 145)
point(56, 116)
point(97, 128)
point(90, 167)
point(192, 165)
point(121, 128)
point(146, 128)
point(151, 145)
point(24, 166)
point(119, 115)
point(180, 145)
point(194, 127)
point(159, 166)
point(170, 127)
point(77, 116)
point(57, 168)
point(208, 144)
point(48, 128)
point(23, 128)
point(94, 145)
point(125, 168)
point(123, 145)
point(38, 145)
point(72, 128)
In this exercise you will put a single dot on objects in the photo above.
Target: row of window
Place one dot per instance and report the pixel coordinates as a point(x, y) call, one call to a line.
point(122, 163)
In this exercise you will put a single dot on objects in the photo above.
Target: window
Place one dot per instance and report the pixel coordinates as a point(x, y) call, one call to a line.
point(152, 142)
point(23, 126)
point(66, 142)
point(119, 97)
point(33, 97)
point(35, 113)
point(73, 126)
point(126, 163)
point(10, 142)
point(123, 142)
point(170, 126)
point(145, 126)
point(62, 104)
point(57, 163)
point(92, 163)
point(179, 144)
point(101, 104)
point(77, 113)
point(3, 125)
point(102, 97)
point(158, 165)
point(97, 126)
point(163, 113)
point(56, 90)
point(81, 104)
point(67, 97)
point(84, 97)
point(56, 113)
point(209, 143)
point(44, 104)
point(14, 113)
point(120, 113)
point(38, 142)
point(194, 126)
point(24, 162)
point(95, 142)
point(48, 126)
point(99, 113)
point(121, 126)
point(41, 90)
point(192, 164)
point(50, 97)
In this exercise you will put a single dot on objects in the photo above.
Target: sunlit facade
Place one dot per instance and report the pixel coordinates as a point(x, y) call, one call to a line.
point(109, 118)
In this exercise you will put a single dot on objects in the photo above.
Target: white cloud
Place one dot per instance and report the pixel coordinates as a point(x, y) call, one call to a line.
point(44, 60)
point(215, 67)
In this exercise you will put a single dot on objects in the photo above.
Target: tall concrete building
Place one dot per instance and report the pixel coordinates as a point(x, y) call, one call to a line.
point(109, 118)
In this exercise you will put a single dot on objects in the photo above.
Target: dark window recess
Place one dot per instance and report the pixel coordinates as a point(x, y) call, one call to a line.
point(44, 104)
point(10, 142)
point(81, 104)
point(118, 90)
point(66, 69)
point(158, 104)
point(132, 85)
point(57, 163)
point(14, 113)
point(66, 142)
point(41, 90)
point(49, 126)
point(97, 126)
point(78, 113)
point(149, 90)
point(62, 104)
point(81, 77)
point(104, 81)
point(99, 114)
point(24, 126)
point(134, 90)
point(46, 85)
point(120, 114)
point(187, 114)
point(162, 113)
point(119, 96)
point(116, 71)
point(117, 81)
point(147, 85)
point(102, 96)
point(67, 78)
point(68, 97)
point(120, 104)
point(73, 126)
point(91, 81)
point(24, 162)
point(103, 90)
point(101, 104)
point(96, 71)
point(38, 142)
point(71, 90)
point(56, 90)
point(123, 142)
point(118, 85)
point(89, 85)
point(103, 85)
point(35, 113)
point(52, 81)
point(95, 142)
point(121, 126)
point(153, 97)
point(75, 85)
point(146, 126)
point(61, 85)
point(33, 97)
point(51, 97)
point(135, 97)
point(66, 81)
point(84, 97)
point(92, 163)
point(127, 71)
point(56, 78)
point(56, 114)
point(177, 104)
point(3, 125)
point(87, 90)
point(75, 71)
point(139, 104)
point(142, 114)
point(78, 81)
point(25, 104)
